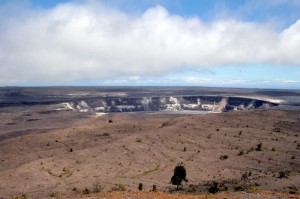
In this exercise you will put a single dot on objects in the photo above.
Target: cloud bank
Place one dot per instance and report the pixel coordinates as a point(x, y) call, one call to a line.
point(90, 41)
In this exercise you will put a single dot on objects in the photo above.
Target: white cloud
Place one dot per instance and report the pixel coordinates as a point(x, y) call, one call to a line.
point(89, 41)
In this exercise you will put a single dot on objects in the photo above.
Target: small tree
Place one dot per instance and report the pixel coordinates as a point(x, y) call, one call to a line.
point(179, 175)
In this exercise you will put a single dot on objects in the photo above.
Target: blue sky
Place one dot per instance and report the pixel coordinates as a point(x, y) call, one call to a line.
point(233, 43)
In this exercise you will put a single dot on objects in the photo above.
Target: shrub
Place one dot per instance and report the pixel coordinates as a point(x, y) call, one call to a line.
point(241, 152)
point(293, 190)
point(140, 186)
point(97, 188)
point(259, 147)
point(273, 149)
point(284, 173)
point(105, 134)
point(246, 187)
point(293, 157)
point(214, 187)
point(119, 187)
point(86, 191)
point(23, 196)
point(154, 188)
point(246, 175)
point(223, 157)
point(191, 189)
point(55, 195)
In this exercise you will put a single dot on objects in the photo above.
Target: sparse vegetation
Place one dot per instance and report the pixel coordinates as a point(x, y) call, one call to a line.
point(55, 195)
point(86, 191)
point(246, 175)
point(293, 190)
point(191, 188)
point(147, 156)
point(284, 173)
point(119, 187)
point(214, 187)
point(66, 172)
point(104, 134)
point(23, 196)
point(246, 187)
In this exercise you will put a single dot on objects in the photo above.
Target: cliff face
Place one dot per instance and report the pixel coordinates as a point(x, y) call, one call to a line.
point(192, 103)
point(130, 99)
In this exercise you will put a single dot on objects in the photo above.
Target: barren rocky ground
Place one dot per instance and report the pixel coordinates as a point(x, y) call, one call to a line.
point(64, 154)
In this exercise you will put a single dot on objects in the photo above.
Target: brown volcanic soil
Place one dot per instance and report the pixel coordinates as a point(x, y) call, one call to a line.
point(36, 157)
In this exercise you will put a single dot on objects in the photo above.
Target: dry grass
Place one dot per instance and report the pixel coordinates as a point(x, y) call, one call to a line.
point(162, 195)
